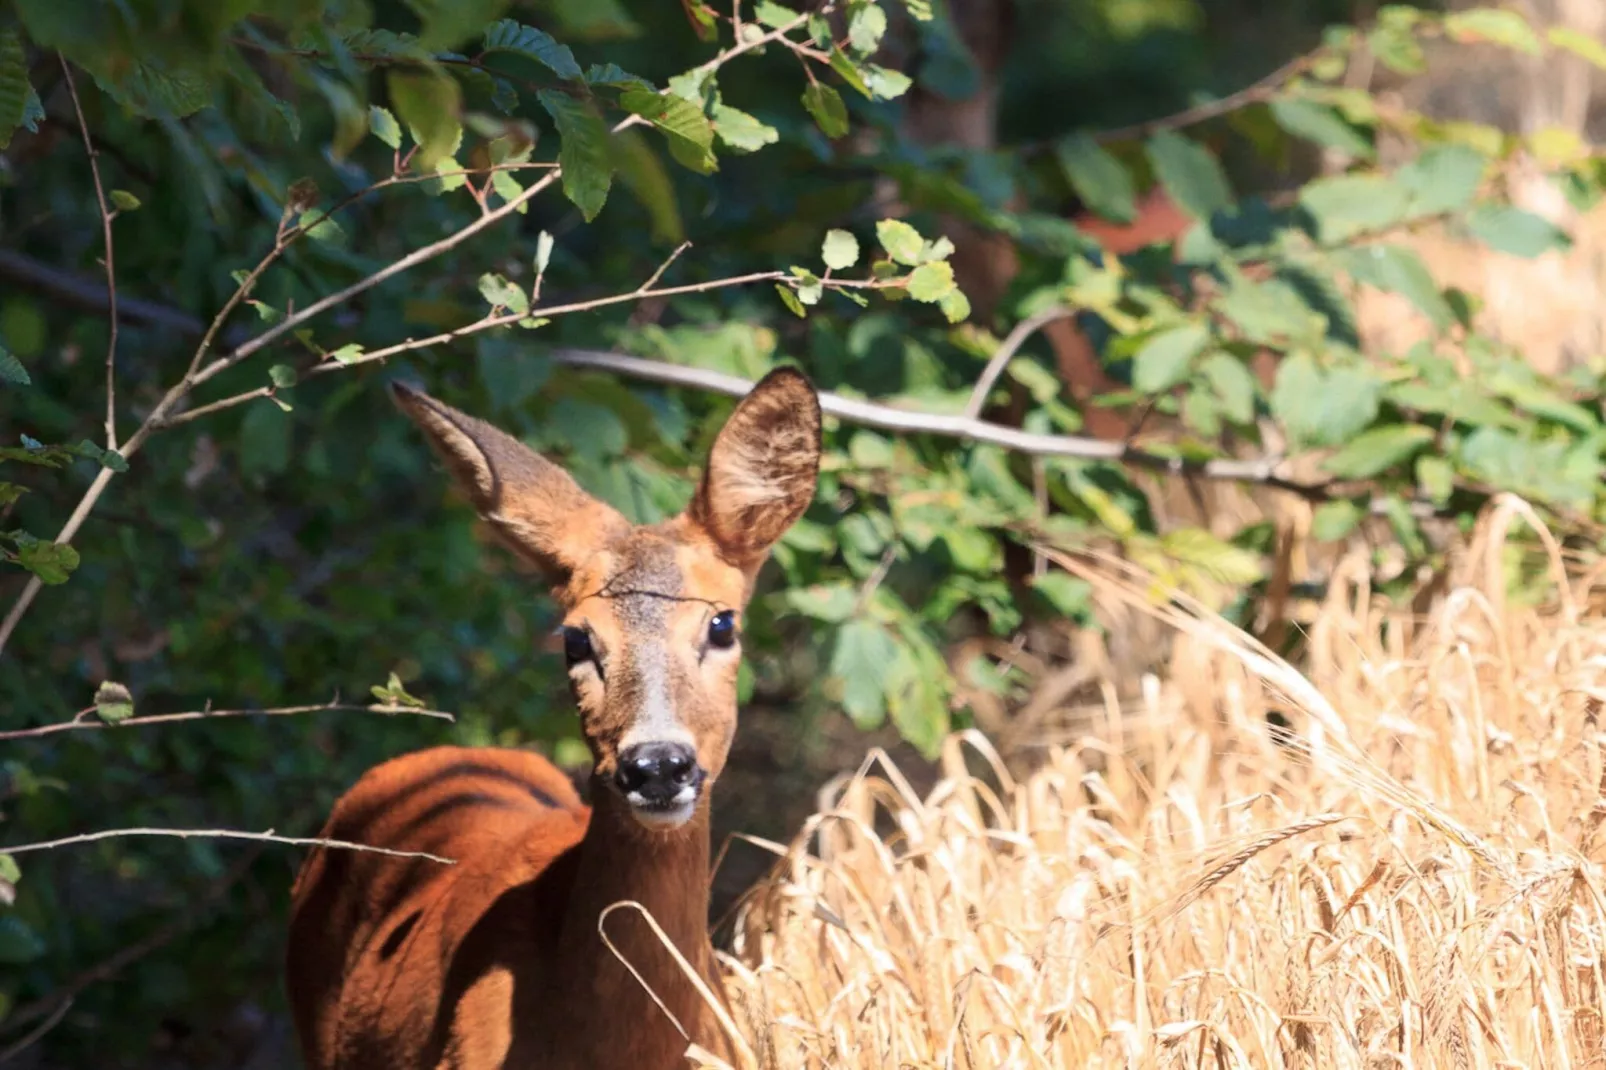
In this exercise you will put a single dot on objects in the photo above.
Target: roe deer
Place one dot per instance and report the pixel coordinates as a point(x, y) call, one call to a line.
point(496, 961)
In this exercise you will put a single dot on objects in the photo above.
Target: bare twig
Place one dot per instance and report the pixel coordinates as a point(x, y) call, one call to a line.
point(656, 275)
point(1006, 350)
point(37, 1032)
point(1258, 92)
point(106, 217)
point(1261, 471)
point(84, 722)
point(220, 834)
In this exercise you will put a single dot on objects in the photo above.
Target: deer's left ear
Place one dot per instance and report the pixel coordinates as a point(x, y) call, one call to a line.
point(762, 469)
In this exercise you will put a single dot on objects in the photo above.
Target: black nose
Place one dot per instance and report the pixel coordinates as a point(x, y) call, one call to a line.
point(657, 771)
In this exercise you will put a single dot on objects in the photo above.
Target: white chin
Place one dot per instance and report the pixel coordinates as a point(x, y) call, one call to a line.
point(665, 818)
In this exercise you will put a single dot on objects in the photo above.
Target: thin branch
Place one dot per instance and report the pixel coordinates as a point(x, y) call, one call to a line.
point(106, 217)
point(221, 834)
point(1261, 471)
point(52, 1003)
point(37, 1032)
point(82, 721)
point(1258, 92)
point(1006, 350)
point(656, 275)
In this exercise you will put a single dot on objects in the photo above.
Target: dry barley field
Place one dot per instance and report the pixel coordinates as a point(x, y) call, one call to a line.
point(1410, 876)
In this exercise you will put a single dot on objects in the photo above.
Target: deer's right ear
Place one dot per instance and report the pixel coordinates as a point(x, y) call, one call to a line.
point(536, 508)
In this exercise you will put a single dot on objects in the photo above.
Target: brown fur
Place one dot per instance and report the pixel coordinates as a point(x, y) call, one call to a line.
point(496, 961)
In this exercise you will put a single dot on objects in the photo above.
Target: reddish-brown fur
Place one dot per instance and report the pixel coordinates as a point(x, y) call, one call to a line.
point(496, 961)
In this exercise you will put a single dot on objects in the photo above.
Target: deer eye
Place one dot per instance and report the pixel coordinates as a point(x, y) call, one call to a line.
point(577, 646)
point(722, 629)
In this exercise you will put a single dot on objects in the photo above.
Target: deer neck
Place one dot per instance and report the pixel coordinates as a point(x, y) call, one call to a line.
point(667, 873)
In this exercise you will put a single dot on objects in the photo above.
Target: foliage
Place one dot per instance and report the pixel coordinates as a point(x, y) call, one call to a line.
point(279, 534)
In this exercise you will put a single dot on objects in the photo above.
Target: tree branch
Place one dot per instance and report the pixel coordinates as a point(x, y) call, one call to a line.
point(1006, 350)
point(220, 834)
point(82, 721)
point(1260, 471)
point(106, 217)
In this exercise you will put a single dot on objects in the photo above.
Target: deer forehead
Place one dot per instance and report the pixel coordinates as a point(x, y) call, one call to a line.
point(651, 585)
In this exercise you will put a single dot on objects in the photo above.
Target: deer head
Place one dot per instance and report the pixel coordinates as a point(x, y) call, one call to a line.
point(652, 614)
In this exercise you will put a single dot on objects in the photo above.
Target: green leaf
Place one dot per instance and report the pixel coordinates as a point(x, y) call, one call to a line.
point(347, 354)
point(282, 375)
point(840, 251)
point(1190, 173)
point(1512, 230)
point(1270, 312)
point(11, 369)
point(321, 226)
point(774, 15)
point(740, 130)
point(445, 23)
point(1233, 384)
point(866, 26)
point(825, 104)
point(1071, 596)
point(849, 72)
point(52, 562)
point(1377, 450)
point(1574, 41)
point(15, 92)
point(1220, 560)
point(901, 241)
point(1444, 178)
point(1497, 25)
point(885, 83)
point(431, 106)
point(790, 299)
point(394, 694)
point(585, 157)
point(123, 200)
point(690, 134)
point(383, 125)
point(861, 660)
point(1321, 407)
point(1164, 360)
point(503, 294)
point(1400, 270)
point(931, 282)
point(954, 304)
point(1335, 519)
point(831, 603)
point(113, 703)
point(507, 35)
point(103, 457)
point(1097, 177)
point(10, 872)
point(1346, 205)
point(1436, 477)
point(1321, 124)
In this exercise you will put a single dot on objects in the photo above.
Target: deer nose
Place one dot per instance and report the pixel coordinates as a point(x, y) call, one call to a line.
point(657, 773)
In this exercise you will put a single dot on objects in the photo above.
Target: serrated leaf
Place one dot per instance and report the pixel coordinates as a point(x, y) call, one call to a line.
point(1164, 360)
point(14, 88)
point(113, 703)
point(394, 694)
point(1335, 519)
point(690, 134)
point(501, 293)
point(321, 226)
point(508, 35)
point(1190, 173)
point(1400, 270)
point(1322, 407)
point(774, 15)
point(282, 375)
point(861, 660)
point(954, 304)
point(1223, 562)
point(584, 156)
point(1102, 182)
point(741, 131)
point(1515, 231)
point(431, 107)
point(1269, 312)
point(1071, 596)
point(901, 241)
point(105, 458)
point(1321, 124)
point(931, 281)
point(383, 125)
point(1347, 205)
point(1377, 450)
point(11, 369)
point(611, 74)
point(790, 300)
point(1496, 25)
point(349, 353)
point(123, 200)
point(840, 251)
point(866, 26)
point(52, 562)
point(885, 83)
point(507, 187)
point(1436, 477)
point(825, 105)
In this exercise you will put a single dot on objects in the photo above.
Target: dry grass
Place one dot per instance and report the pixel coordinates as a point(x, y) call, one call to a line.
point(1413, 877)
